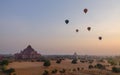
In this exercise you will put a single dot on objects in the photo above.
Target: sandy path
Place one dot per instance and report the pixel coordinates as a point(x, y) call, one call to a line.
point(19, 65)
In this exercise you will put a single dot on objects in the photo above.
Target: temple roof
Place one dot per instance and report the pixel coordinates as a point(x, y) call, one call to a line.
point(27, 53)
point(28, 50)
point(29, 47)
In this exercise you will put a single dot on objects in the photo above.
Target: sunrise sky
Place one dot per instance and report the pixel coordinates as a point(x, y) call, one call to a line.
point(40, 23)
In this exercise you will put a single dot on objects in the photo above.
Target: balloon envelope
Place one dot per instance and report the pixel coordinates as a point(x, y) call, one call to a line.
point(85, 10)
point(88, 28)
point(66, 21)
point(77, 30)
point(100, 38)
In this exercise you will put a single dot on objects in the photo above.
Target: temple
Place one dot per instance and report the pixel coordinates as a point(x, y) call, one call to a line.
point(27, 53)
point(75, 56)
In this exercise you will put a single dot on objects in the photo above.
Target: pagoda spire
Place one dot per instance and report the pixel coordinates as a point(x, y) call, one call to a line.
point(29, 46)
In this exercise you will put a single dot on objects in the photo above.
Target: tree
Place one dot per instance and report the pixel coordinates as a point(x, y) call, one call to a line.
point(9, 71)
point(90, 66)
point(4, 62)
point(14, 74)
point(54, 71)
point(59, 61)
point(82, 61)
point(74, 61)
point(91, 61)
point(45, 72)
point(100, 66)
point(115, 69)
point(4, 68)
point(47, 63)
point(62, 71)
point(112, 62)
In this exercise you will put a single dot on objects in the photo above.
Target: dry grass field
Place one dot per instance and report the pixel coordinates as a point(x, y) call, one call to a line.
point(37, 68)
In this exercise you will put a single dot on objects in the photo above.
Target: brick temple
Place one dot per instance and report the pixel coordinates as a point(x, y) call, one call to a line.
point(27, 53)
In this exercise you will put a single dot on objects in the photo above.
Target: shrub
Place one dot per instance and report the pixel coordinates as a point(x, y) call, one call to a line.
point(91, 61)
point(54, 71)
point(4, 62)
point(82, 61)
point(9, 71)
point(115, 69)
point(62, 71)
point(47, 63)
point(14, 74)
point(90, 66)
point(112, 62)
point(100, 66)
point(45, 72)
point(58, 61)
point(74, 61)
point(4, 68)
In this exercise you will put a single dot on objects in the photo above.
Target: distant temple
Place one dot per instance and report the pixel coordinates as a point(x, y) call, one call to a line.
point(27, 53)
point(75, 56)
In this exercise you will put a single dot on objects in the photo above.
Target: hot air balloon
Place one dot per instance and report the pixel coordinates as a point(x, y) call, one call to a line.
point(100, 38)
point(77, 30)
point(85, 10)
point(66, 21)
point(88, 28)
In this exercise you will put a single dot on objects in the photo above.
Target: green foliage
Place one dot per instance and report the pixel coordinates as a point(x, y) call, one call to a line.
point(100, 66)
point(4, 62)
point(14, 74)
point(116, 70)
point(3, 68)
point(91, 61)
point(9, 71)
point(90, 66)
point(47, 63)
point(54, 71)
point(62, 71)
point(74, 61)
point(82, 61)
point(58, 61)
point(45, 72)
point(112, 62)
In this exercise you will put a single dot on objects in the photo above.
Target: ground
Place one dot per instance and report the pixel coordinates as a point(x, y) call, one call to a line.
point(37, 68)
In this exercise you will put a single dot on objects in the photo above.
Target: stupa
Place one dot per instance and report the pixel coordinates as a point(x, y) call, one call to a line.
point(27, 53)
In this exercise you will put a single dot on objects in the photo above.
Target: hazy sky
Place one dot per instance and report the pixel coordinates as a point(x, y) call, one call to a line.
point(40, 23)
